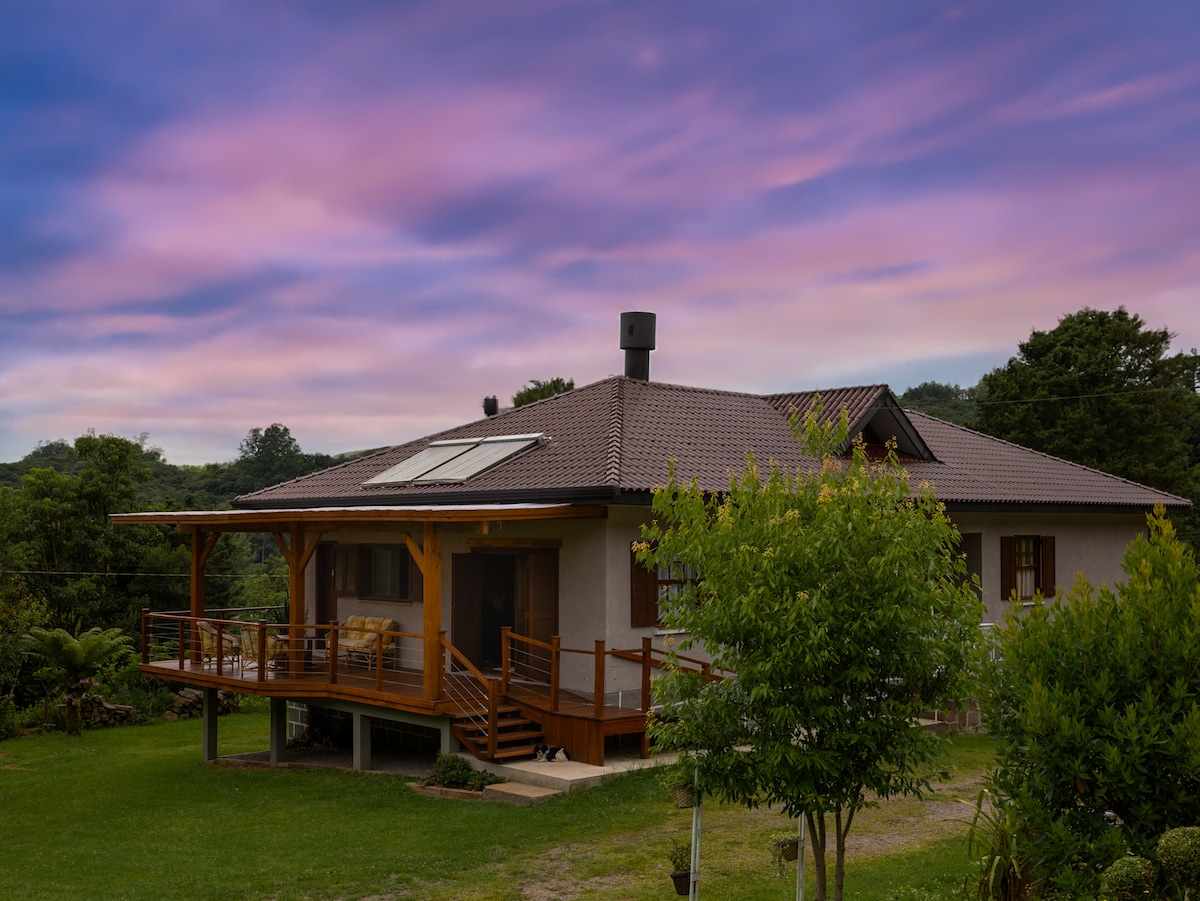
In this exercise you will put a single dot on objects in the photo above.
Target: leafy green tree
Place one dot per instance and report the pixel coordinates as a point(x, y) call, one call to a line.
point(1101, 390)
point(537, 390)
point(1096, 702)
point(70, 662)
point(948, 402)
point(835, 598)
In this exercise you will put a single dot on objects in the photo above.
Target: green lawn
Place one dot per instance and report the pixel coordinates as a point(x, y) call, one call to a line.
point(134, 813)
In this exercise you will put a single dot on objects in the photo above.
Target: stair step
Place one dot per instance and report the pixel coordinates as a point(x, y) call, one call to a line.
point(477, 712)
point(503, 727)
point(524, 735)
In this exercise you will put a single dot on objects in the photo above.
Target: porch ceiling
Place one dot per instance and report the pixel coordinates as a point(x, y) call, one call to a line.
point(330, 517)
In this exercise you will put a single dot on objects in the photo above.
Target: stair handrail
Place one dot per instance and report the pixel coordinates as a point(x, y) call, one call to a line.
point(553, 649)
point(488, 688)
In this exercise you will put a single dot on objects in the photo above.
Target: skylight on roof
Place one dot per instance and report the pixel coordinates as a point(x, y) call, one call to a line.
point(444, 462)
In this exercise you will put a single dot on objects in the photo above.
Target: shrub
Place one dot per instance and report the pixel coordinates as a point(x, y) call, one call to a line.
point(1096, 701)
point(1128, 879)
point(452, 771)
point(1179, 855)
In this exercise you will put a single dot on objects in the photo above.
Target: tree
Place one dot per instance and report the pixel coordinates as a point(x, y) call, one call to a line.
point(537, 390)
point(69, 662)
point(948, 402)
point(1099, 389)
point(835, 598)
point(1096, 702)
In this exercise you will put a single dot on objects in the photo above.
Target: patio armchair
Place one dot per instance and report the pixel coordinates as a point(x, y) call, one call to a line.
point(275, 648)
point(229, 649)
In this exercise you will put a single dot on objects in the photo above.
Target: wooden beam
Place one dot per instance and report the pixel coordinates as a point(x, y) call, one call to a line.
point(341, 517)
point(515, 542)
point(432, 572)
point(418, 555)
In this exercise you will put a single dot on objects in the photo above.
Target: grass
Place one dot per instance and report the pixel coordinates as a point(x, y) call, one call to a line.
point(133, 813)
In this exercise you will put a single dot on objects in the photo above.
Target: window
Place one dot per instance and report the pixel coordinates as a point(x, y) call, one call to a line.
point(382, 572)
point(649, 591)
point(1027, 566)
point(345, 570)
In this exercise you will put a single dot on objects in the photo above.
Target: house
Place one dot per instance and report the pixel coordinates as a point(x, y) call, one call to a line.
point(480, 582)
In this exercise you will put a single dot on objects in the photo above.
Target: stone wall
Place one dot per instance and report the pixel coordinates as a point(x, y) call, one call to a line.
point(98, 712)
point(190, 702)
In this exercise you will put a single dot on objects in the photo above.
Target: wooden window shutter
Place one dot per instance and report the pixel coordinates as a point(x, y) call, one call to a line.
point(1008, 566)
point(643, 594)
point(1048, 583)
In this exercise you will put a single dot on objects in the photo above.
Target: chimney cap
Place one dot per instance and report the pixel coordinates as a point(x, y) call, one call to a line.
point(637, 331)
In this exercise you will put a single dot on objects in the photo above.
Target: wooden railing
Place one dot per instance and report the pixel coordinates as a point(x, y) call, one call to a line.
point(298, 646)
point(472, 691)
point(541, 662)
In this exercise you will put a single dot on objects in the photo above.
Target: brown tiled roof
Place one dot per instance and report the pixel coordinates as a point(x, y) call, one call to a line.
point(611, 442)
point(980, 469)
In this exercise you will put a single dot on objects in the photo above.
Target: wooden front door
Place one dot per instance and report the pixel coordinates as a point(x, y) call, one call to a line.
point(326, 588)
point(492, 589)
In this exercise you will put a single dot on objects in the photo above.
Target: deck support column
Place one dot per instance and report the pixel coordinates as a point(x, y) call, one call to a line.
point(362, 741)
point(278, 731)
point(208, 741)
point(431, 554)
point(202, 546)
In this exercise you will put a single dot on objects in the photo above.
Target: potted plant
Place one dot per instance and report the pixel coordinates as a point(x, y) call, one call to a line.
point(679, 779)
point(680, 855)
point(784, 847)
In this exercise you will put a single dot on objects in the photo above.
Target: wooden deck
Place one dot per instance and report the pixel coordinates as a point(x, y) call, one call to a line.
point(517, 706)
point(571, 722)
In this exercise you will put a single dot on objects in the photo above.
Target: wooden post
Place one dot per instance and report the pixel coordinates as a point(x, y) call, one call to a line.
point(441, 669)
point(598, 689)
point(554, 655)
point(202, 545)
point(647, 647)
point(379, 661)
point(263, 660)
point(493, 715)
point(505, 656)
point(145, 635)
point(333, 652)
point(183, 648)
point(431, 554)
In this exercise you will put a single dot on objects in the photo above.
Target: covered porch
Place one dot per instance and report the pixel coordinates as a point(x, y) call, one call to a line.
point(498, 711)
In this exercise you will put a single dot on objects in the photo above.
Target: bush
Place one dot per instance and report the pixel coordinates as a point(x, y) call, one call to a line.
point(1128, 879)
point(1179, 855)
point(452, 771)
point(1096, 701)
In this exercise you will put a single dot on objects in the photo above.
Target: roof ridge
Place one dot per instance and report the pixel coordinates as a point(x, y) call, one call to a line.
point(1031, 450)
point(616, 424)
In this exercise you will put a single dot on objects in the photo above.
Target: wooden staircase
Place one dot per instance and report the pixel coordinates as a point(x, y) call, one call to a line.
point(515, 734)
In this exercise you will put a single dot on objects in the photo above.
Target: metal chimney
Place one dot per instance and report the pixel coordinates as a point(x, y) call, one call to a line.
point(637, 340)
point(490, 405)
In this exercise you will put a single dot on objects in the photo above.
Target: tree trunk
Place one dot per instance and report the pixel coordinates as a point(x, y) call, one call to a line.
point(74, 716)
point(816, 829)
point(839, 866)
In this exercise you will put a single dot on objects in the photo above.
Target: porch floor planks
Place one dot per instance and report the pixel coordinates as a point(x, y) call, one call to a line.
point(402, 687)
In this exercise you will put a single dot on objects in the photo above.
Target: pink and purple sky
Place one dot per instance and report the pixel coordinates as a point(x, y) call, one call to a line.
point(357, 219)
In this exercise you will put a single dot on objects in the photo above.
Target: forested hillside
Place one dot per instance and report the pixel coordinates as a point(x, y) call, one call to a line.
point(63, 563)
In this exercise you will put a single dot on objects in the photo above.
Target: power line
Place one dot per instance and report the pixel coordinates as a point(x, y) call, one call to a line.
point(68, 572)
point(1034, 400)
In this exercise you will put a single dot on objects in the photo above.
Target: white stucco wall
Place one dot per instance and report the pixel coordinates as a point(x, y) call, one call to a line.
point(594, 576)
point(1090, 544)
